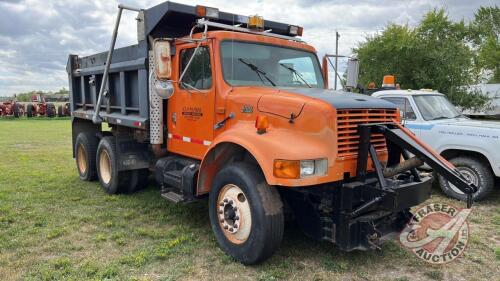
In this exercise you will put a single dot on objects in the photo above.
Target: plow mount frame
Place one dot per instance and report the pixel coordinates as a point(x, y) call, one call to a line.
point(400, 143)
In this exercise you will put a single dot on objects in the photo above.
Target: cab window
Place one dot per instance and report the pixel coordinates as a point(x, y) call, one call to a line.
point(404, 105)
point(199, 73)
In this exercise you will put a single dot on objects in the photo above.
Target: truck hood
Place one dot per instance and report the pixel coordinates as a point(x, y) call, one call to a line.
point(340, 99)
point(466, 122)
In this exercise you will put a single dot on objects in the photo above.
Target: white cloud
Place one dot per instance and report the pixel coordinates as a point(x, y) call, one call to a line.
point(37, 36)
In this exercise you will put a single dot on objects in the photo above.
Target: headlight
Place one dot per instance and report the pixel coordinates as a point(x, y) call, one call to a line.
point(295, 169)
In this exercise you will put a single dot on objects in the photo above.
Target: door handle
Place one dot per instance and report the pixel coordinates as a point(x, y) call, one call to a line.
point(223, 121)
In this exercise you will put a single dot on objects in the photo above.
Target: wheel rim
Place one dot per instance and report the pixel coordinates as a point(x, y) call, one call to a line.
point(105, 167)
point(469, 175)
point(234, 214)
point(81, 159)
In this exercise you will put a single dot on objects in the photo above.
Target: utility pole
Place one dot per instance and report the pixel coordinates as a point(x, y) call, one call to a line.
point(337, 35)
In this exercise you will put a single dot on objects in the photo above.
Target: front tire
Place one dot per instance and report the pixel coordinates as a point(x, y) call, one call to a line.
point(246, 213)
point(475, 171)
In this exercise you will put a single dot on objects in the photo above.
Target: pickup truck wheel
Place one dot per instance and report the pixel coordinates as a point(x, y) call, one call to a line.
point(85, 152)
point(112, 181)
point(476, 172)
point(246, 213)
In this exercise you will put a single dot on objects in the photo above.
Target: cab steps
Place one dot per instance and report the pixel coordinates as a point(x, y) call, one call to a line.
point(177, 177)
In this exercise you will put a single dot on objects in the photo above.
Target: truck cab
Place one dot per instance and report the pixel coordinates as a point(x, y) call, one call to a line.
point(468, 144)
point(237, 109)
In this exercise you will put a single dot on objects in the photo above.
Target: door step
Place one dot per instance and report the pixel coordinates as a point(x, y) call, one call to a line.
point(173, 196)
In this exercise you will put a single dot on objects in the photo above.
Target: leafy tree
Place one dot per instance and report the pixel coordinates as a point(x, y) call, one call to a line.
point(484, 32)
point(435, 54)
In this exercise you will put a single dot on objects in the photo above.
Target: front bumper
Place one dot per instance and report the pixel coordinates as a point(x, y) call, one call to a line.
point(366, 213)
point(357, 215)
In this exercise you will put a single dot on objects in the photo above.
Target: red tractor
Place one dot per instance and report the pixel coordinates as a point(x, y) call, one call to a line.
point(39, 107)
point(64, 110)
point(11, 108)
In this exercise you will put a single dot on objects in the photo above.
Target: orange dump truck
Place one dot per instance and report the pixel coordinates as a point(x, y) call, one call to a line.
point(237, 109)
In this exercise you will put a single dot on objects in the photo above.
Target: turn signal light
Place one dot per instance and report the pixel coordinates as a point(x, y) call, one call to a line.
point(287, 169)
point(256, 22)
point(261, 123)
point(207, 12)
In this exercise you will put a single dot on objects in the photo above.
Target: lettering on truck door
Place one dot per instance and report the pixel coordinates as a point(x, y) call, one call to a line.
point(191, 109)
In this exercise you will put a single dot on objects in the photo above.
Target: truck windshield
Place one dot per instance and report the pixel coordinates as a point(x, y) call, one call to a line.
point(247, 64)
point(434, 107)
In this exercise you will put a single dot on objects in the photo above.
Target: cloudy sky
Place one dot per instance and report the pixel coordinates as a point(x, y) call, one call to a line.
point(36, 36)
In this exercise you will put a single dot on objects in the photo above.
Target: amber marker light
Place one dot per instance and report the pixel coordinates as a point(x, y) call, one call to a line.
point(261, 124)
point(287, 169)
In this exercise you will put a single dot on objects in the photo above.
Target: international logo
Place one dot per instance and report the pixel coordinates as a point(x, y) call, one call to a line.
point(438, 233)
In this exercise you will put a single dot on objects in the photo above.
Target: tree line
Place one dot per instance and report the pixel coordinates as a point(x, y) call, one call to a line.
point(60, 95)
point(438, 53)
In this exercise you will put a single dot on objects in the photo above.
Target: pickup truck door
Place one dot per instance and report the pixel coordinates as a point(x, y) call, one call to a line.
point(409, 114)
point(190, 111)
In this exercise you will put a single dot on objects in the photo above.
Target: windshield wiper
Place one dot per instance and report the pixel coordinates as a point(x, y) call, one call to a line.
point(294, 71)
point(258, 71)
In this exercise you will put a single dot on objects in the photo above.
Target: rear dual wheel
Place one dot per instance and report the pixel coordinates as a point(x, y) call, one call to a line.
point(97, 159)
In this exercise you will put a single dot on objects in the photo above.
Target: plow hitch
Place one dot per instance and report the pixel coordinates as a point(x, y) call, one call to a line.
point(400, 143)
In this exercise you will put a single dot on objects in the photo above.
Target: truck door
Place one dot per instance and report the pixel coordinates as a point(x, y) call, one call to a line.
point(409, 117)
point(191, 109)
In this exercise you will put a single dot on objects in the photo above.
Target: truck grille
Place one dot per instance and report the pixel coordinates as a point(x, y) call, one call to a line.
point(348, 121)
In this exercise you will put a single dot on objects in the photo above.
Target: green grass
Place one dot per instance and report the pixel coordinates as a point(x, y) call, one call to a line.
point(55, 227)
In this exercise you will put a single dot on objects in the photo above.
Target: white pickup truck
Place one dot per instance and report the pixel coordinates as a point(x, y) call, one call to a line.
point(473, 146)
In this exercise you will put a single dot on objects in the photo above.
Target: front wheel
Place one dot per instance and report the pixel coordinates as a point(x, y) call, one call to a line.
point(474, 171)
point(246, 213)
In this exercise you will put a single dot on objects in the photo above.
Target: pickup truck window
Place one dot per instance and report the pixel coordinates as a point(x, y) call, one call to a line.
point(251, 64)
point(199, 73)
point(404, 105)
point(434, 107)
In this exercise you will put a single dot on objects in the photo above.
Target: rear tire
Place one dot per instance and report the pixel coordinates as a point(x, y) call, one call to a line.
point(51, 110)
point(138, 180)
point(29, 111)
point(85, 152)
point(16, 110)
point(249, 196)
point(475, 170)
point(60, 112)
point(112, 180)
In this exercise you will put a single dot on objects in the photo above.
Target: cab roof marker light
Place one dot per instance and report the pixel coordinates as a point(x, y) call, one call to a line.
point(207, 12)
point(295, 30)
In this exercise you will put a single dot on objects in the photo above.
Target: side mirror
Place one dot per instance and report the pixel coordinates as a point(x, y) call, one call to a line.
point(352, 73)
point(163, 63)
point(163, 69)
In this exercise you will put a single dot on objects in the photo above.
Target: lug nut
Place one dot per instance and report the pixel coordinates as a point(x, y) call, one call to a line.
point(231, 202)
point(235, 226)
point(225, 200)
point(226, 227)
point(231, 229)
